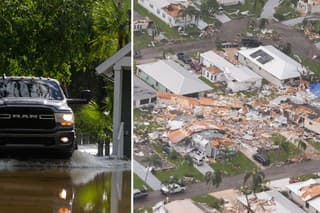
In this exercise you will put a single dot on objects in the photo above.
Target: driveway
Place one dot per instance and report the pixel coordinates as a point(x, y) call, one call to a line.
point(141, 171)
point(204, 168)
point(223, 18)
point(269, 9)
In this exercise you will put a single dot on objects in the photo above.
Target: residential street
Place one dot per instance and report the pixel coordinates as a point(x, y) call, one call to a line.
point(294, 21)
point(232, 182)
point(229, 32)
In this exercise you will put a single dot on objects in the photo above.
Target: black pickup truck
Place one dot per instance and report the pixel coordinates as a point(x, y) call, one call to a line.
point(34, 115)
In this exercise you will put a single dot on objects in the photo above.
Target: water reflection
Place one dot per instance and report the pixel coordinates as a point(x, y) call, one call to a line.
point(64, 190)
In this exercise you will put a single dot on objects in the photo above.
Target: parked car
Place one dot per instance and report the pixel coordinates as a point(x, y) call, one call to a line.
point(187, 60)
point(180, 56)
point(261, 159)
point(139, 193)
point(172, 188)
point(198, 160)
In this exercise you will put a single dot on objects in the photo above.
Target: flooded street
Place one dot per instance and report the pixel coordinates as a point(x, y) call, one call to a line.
point(84, 183)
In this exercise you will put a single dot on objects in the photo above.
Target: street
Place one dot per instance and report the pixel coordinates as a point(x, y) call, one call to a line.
point(273, 173)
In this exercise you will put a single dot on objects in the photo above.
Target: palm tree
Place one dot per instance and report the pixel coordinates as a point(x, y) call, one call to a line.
point(257, 179)
point(213, 178)
point(302, 146)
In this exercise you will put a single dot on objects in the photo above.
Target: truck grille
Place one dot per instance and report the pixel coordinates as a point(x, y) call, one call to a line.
point(27, 140)
point(26, 118)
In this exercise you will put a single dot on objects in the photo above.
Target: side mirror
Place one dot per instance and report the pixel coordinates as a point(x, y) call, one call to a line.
point(84, 99)
point(86, 94)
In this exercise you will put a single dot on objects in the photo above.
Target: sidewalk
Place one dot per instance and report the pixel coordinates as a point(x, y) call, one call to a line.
point(141, 171)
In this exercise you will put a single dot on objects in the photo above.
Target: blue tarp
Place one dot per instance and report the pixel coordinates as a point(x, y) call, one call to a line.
point(315, 89)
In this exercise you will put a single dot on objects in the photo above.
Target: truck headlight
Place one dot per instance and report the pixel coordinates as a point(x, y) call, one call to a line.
point(64, 119)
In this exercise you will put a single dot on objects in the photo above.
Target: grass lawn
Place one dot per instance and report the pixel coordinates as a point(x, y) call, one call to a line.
point(183, 169)
point(281, 155)
point(312, 65)
point(211, 201)
point(141, 40)
point(237, 164)
point(284, 11)
point(209, 83)
point(139, 184)
point(170, 32)
point(247, 6)
point(315, 145)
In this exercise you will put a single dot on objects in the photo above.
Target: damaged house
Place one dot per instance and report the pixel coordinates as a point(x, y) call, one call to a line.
point(237, 77)
point(302, 114)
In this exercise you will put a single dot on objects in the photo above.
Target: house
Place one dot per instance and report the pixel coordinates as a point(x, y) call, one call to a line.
point(306, 194)
point(242, 79)
point(119, 66)
point(141, 24)
point(169, 11)
point(269, 201)
point(220, 145)
point(302, 114)
point(272, 64)
point(202, 144)
point(237, 77)
point(308, 7)
point(186, 205)
point(213, 74)
point(168, 76)
point(143, 94)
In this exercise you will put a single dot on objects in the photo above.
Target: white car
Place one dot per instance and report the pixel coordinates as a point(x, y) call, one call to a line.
point(172, 188)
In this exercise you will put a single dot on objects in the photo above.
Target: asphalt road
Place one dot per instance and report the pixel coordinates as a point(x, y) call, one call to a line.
point(229, 32)
point(273, 173)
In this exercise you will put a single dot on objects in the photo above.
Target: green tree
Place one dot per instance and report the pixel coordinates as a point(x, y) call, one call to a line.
point(213, 178)
point(188, 160)
point(257, 179)
point(208, 7)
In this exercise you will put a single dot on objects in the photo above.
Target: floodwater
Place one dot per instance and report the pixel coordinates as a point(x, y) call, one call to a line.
point(84, 183)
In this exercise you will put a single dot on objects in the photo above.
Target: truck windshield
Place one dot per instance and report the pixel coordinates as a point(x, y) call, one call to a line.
point(29, 88)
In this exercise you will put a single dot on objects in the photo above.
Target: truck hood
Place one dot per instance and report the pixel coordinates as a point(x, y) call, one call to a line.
point(34, 101)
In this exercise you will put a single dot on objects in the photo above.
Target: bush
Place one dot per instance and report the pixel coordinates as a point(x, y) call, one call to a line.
point(174, 155)
point(278, 16)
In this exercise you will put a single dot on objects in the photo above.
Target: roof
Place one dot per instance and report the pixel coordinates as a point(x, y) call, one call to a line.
point(197, 126)
point(180, 82)
point(272, 201)
point(213, 70)
point(186, 205)
point(231, 71)
point(224, 142)
point(142, 90)
point(273, 61)
point(174, 10)
point(307, 191)
point(107, 65)
point(216, 60)
point(241, 74)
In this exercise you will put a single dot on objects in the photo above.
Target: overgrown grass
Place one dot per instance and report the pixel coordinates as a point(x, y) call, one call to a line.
point(138, 183)
point(285, 152)
point(315, 145)
point(237, 164)
point(306, 177)
point(141, 40)
point(247, 6)
point(211, 201)
point(284, 11)
point(313, 65)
